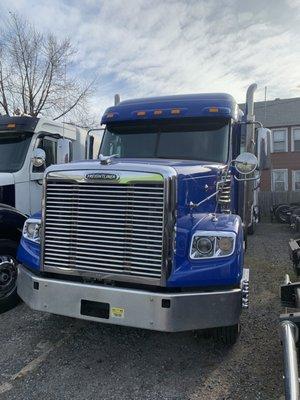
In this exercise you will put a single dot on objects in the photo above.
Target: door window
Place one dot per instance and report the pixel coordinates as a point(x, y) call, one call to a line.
point(49, 145)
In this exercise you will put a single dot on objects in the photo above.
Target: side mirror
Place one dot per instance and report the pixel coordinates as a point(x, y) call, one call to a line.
point(63, 151)
point(264, 148)
point(38, 158)
point(246, 163)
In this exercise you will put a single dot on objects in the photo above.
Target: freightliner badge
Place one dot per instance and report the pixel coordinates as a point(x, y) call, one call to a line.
point(102, 176)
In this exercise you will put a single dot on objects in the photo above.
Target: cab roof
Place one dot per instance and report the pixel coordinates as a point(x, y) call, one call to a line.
point(16, 123)
point(179, 106)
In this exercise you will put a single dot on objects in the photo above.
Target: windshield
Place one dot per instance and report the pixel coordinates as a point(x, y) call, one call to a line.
point(205, 139)
point(13, 150)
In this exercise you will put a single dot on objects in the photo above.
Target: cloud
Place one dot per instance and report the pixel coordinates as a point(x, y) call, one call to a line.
point(170, 47)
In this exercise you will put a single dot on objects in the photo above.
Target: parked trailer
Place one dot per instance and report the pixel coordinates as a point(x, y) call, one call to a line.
point(151, 235)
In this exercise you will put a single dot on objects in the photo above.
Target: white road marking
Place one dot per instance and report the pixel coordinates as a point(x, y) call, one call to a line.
point(33, 364)
point(5, 387)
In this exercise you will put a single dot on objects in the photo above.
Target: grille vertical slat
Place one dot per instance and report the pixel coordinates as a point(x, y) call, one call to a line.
point(113, 228)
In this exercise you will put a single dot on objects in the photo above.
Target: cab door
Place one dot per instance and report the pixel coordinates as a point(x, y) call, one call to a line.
point(49, 145)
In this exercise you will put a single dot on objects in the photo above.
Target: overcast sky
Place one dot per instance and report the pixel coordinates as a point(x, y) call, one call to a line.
point(154, 47)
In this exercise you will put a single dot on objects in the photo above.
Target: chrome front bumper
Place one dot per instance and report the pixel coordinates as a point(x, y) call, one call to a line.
point(168, 312)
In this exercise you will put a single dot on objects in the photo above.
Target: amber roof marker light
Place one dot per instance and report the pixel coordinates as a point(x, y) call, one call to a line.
point(141, 113)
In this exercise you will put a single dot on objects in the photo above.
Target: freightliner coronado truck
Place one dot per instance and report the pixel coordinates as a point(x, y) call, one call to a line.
point(152, 234)
point(27, 146)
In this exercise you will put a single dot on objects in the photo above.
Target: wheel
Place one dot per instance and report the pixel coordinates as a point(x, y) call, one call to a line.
point(8, 275)
point(227, 335)
point(282, 213)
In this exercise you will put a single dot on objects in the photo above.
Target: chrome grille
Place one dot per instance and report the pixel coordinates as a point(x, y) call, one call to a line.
point(104, 227)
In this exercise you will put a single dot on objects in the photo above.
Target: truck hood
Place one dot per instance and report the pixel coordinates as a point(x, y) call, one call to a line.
point(6, 178)
point(196, 180)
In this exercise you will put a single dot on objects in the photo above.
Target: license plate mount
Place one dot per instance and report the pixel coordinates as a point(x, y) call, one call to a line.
point(94, 309)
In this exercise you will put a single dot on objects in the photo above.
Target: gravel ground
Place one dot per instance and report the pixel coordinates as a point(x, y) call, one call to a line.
point(51, 357)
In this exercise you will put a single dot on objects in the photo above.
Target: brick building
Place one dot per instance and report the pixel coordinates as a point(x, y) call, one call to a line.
point(282, 116)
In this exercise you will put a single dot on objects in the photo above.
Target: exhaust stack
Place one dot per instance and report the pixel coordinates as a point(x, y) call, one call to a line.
point(117, 99)
point(249, 147)
point(250, 102)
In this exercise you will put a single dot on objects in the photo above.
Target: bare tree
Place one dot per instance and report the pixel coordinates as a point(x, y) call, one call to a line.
point(34, 74)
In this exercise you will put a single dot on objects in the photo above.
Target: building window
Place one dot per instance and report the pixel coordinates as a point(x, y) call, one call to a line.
point(296, 181)
point(279, 140)
point(279, 180)
point(296, 139)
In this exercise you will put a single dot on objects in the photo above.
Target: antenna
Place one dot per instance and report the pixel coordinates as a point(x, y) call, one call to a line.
point(117, 99)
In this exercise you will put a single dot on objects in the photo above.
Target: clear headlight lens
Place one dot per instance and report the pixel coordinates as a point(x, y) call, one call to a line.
point(31, 230)
point(206, 244)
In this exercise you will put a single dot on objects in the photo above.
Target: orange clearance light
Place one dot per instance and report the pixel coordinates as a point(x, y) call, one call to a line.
point(175, 111)
point(11, 126)
point(141, 113)
point(158, 112)
point(213, 109)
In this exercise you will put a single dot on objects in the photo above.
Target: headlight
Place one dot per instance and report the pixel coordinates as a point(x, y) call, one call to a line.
point(31, 230)
point(206, 244)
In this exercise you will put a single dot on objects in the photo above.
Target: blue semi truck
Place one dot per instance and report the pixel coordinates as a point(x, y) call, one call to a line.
point(152, 234)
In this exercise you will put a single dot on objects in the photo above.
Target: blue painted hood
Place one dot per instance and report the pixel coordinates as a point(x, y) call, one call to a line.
point(196, 180)
point(215, 272)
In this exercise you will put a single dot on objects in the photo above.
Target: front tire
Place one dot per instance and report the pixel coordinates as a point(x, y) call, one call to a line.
point(8, 275)
point(227, 335)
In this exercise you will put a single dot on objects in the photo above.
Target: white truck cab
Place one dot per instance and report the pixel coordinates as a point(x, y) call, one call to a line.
point(20, 180)
point(27, 146)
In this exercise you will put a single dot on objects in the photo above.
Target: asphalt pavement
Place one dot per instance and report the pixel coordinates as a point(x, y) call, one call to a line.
point(45, 356)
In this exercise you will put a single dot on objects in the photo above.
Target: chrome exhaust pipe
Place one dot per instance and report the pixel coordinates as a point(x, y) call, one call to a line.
point(250, 102)
point(289, 338)
point(117, 99)
point(249, 147)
